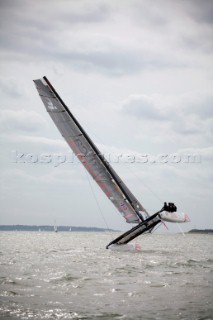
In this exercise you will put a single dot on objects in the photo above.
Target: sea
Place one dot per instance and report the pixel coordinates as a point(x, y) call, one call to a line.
point(70, 275)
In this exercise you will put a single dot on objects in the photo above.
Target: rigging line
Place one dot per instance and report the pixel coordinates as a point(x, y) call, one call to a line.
point(145, 185)
point(161, 224)
point(150, 190)
point(97, 202)
point(181, 230)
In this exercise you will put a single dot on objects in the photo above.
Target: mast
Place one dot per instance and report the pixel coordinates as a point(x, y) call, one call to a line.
point(100, 156)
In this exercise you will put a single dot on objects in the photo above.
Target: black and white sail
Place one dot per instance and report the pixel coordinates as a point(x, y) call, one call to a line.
point(89, 155)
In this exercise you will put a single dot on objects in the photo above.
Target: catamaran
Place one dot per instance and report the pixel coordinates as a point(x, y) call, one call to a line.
point(102, 172)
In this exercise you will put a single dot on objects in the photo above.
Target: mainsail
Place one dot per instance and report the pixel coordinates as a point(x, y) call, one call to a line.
point(89, 155)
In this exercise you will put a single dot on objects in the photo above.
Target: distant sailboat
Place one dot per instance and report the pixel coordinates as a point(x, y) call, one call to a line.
point(55, 227)
point(101, 171)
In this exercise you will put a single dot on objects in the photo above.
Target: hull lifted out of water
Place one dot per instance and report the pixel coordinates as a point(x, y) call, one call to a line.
point(144, 226)
point(101, 171)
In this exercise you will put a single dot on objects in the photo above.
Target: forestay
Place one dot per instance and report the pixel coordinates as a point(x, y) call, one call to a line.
point(89, 155)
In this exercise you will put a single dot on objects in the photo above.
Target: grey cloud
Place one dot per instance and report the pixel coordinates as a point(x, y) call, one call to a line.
point(185, 126)
point(202, 107)
point(146, 15)
point(201, 11)
point(25, 121)
point(142, 106)
point(32, 29)
point(205, 153)
point(109, 62)
point(186, 116)
point(200, 36)
point(195, 115)
point(193, 33)
point(4, 4)
point(90, 14)
point(201, 43)
point(11, 87)
point(118, 62)
point(38, 15)
point(37, 33)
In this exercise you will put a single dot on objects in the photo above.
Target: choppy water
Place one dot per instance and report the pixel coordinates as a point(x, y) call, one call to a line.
point(71, 276)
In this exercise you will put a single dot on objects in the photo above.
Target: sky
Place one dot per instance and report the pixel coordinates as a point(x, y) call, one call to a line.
point(138, 77)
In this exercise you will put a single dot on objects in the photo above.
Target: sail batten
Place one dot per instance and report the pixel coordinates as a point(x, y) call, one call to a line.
point(89, 155)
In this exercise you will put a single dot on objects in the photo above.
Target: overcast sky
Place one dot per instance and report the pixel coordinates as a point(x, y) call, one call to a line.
point(138, 77)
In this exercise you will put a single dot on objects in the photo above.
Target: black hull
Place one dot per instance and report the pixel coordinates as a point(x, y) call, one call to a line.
point(145, 226)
